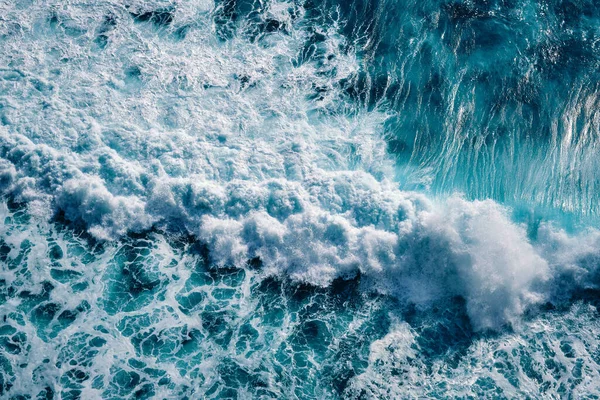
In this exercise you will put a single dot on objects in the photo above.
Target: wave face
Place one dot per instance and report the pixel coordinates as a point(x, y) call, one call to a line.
point(497, 99)
point(270, 199)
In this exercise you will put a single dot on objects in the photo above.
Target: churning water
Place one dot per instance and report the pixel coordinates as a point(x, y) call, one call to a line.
point(299, 199)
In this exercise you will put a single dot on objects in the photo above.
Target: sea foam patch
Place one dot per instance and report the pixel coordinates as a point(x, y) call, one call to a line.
point(197, 205)
point(227, 141)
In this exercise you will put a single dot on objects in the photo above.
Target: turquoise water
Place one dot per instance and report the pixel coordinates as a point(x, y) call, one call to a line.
point(270, 199)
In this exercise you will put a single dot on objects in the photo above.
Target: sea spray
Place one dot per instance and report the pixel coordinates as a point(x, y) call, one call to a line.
point(258, 199)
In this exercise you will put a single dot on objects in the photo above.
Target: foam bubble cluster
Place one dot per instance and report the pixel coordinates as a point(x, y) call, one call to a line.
point(229, 142)
point(194, 205)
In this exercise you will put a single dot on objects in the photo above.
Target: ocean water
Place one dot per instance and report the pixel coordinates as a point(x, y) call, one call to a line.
point(235, 199)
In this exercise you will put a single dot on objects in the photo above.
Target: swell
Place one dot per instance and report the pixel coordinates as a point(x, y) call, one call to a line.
point(190, 185)
point(497, 99)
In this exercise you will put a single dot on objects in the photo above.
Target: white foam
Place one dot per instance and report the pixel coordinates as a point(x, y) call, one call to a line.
point(548, 356)
point(154, 131)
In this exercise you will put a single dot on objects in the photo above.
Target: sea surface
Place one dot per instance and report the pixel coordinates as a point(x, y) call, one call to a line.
point(269, 199)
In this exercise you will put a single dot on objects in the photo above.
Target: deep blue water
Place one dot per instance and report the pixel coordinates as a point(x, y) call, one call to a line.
point(243, 199)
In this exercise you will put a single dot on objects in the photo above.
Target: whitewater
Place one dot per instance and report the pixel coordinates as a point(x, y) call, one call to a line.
point(299, 199)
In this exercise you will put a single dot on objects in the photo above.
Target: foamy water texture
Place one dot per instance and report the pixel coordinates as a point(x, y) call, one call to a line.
point(269, 199)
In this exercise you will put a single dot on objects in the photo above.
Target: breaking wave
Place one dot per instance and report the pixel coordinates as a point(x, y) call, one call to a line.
point(287, 199)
